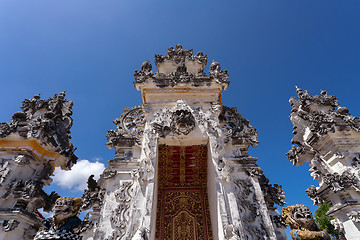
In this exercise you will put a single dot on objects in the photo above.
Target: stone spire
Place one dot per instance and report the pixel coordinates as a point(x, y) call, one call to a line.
point(328, 138)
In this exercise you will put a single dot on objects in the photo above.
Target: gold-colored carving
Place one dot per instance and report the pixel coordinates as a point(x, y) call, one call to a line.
point(182, 207)
point(185, 226)
point(302, 224)
point(65, 208)
point(28, 145)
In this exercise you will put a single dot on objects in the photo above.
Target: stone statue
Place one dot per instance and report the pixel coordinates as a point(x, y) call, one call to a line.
point(64, 223)
point(302, 224)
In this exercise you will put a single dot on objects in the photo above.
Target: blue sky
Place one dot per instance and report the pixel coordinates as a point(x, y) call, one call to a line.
point(92, 48)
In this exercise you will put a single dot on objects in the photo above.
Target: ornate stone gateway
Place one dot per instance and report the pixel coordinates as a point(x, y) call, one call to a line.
point(182, 205)
point(181, 168)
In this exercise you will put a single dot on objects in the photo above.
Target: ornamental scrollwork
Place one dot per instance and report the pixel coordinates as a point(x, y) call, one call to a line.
point(321, 115)
point(178, 120)
point(356, 161)
point(312, 193)
point(278, 221)
point(237, 127)
point(250, 210)
point(86, 224)
point(220, 75)
point(121, 217)
point(178, 54)
point(183, 122)
point(129, 127)
point(293, 154)
point(273, 194)
point(338, 225)
point(180, 66)
point(131, 122)
point(254, 172)
point(107, 174)
point(335, 182)
point(144, 73)
point(4, 129)
point(231, 232)
point(30, 191)
point(9, 225)
point(5, 170)
point(306, 100)
point(354, 216)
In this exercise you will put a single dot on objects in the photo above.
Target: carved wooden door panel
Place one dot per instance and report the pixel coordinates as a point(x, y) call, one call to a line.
point(182, 206)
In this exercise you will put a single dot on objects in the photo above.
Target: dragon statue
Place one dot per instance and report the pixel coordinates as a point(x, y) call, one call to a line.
point(65, 222)
point(303, 227)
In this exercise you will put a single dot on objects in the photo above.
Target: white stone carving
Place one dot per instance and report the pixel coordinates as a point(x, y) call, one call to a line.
point(121, 216)
point(181, 107)
point(338, 225)
point(354, 216)
point(5, 170)
point(328, 137)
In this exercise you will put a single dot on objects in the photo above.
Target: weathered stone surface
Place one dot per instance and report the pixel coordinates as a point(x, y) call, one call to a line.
point(218, 74)
point(129, 128)
point(9, 225)
point(328, 138)
point(180, 66)
point(93, 195)
point(273, 194)
point(237, 128)
point(48, 121)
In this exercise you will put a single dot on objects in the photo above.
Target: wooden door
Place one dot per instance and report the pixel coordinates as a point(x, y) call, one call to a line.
point(182, 205)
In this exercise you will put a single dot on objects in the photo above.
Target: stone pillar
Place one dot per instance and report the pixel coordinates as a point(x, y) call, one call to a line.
point(328, 138)
point(32, 144)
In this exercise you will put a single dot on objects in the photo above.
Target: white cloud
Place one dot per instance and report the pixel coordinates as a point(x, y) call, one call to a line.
point(76, 178)
point(45, 214)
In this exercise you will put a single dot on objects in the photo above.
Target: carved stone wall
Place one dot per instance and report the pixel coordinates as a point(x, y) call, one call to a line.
point(328, 138)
